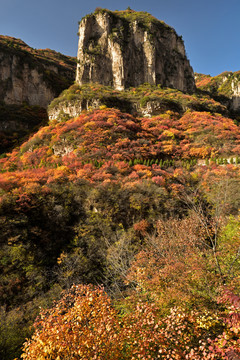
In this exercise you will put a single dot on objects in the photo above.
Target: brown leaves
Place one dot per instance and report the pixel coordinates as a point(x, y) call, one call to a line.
point(82, 325)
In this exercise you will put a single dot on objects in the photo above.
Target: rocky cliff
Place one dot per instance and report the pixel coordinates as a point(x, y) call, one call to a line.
point(127, 48)
point(32, 76)
point(224, 87)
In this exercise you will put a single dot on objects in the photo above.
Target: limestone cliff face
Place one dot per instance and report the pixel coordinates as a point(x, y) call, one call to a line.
point(235, 103)
point(21, 83)
point(126, 48)
point(32, 76)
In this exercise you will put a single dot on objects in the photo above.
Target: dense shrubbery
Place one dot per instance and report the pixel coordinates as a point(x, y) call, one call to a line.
point(133, 99)
point(104, 145)
point(84, 325)
point(174, 303)
point(109, 198)
point(218, 85)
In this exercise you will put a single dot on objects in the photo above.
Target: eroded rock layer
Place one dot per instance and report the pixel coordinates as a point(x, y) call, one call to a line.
point(32, 76)
point(127, 48)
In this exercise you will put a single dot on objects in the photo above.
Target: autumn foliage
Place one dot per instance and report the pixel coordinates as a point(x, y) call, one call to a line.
point(147, 206)
point(84, 325)
point(107, 145)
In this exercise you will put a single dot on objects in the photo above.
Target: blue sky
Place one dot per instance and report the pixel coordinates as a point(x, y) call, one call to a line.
point(210, 28)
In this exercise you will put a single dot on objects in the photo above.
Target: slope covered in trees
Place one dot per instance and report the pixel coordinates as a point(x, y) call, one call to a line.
point(84, 324)
point(147, 206)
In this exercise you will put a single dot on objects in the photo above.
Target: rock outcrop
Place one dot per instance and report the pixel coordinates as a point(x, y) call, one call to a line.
point(32, 76)
point(145, 100)
point(224, 87)
point(126, 49)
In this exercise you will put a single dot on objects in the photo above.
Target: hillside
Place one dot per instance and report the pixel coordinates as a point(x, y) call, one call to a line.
point(79, 191)
point(145, 100)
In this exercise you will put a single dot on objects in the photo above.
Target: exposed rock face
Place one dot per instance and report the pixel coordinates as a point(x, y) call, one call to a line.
point(127, 48)
point(236, 94)
point(73, 108)
point(32, 76)
point(21, 86)
point(225, 87)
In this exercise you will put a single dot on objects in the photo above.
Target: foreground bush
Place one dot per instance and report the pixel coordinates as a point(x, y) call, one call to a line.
point(85, 325)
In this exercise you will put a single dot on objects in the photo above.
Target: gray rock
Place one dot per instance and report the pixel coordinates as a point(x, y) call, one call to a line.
point(32, 76)
point(127, 48)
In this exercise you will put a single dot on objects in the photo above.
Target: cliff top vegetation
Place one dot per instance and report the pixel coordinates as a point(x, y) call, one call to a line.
point(132, 99)
point(17, 46)
point(142, 17)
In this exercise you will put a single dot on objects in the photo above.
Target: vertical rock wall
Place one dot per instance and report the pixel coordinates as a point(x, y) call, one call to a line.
point(124, 49)
point(32, 76)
